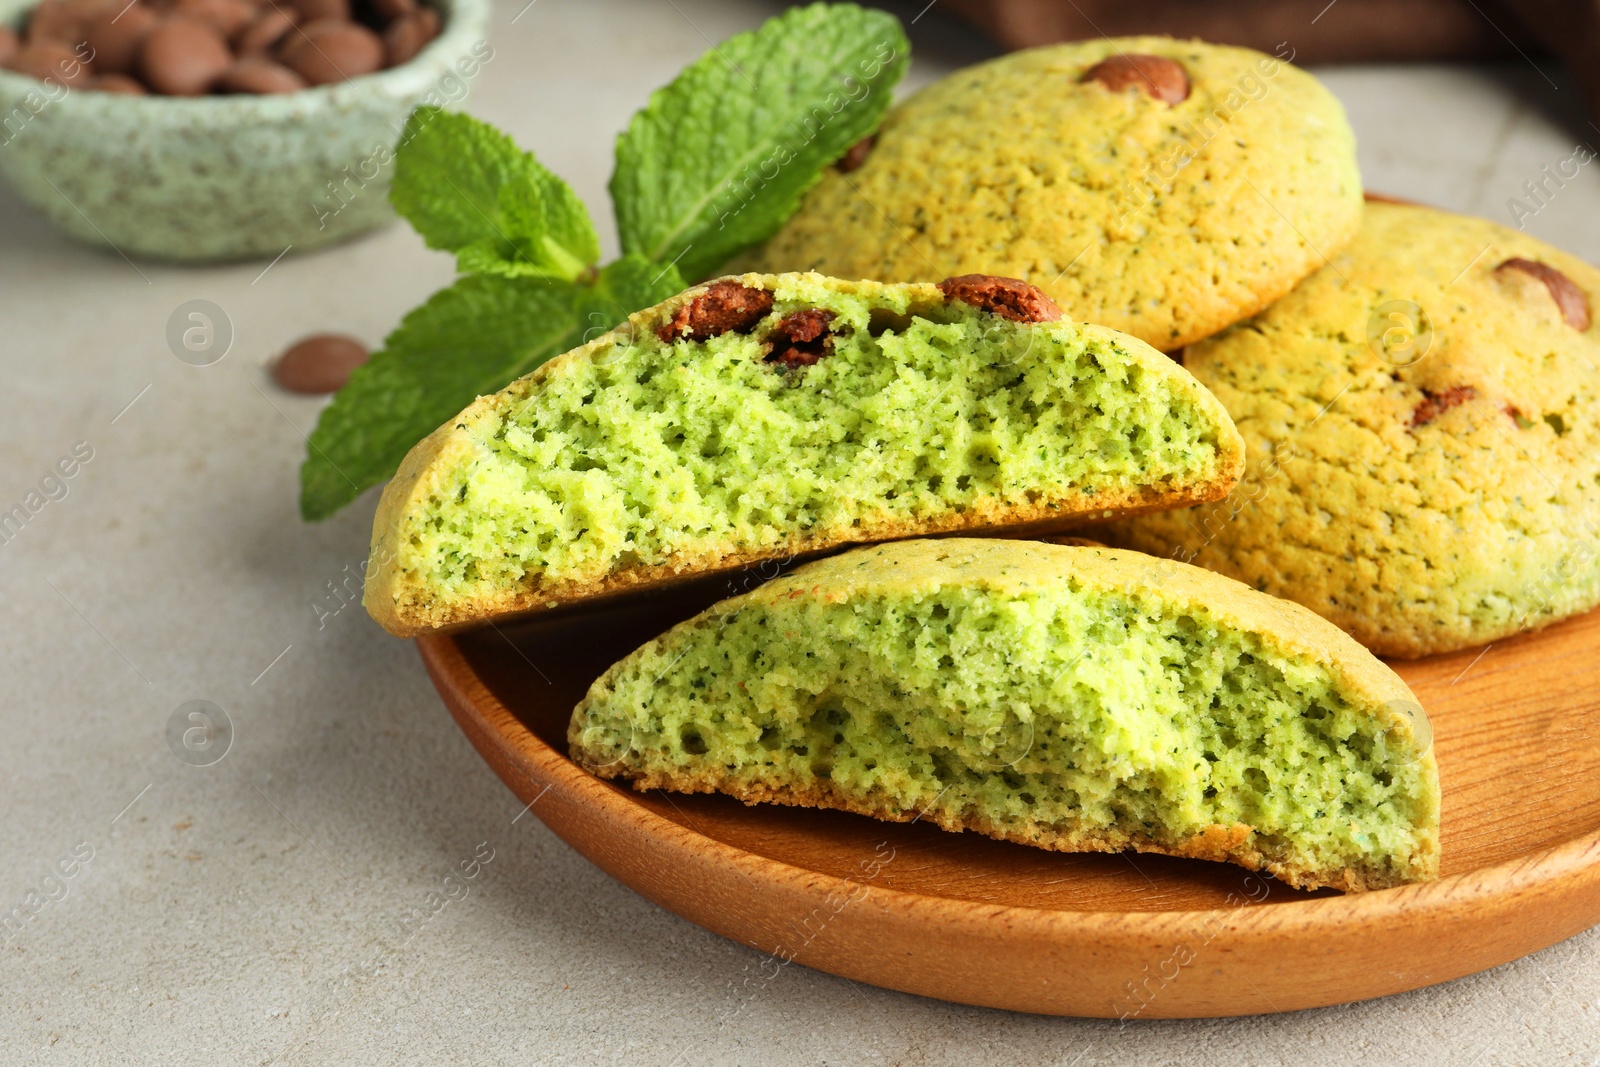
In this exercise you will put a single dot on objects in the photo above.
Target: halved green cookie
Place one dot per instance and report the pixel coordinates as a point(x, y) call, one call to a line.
point(766, 416)
point(1080, 699)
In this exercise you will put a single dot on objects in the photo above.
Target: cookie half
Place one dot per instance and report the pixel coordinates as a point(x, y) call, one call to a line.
point(1163, 188)
point(1422, 419)
point(1077, 699)
point(762, 417)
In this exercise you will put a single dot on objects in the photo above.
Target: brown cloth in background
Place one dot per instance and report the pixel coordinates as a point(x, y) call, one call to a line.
point(1344, 31)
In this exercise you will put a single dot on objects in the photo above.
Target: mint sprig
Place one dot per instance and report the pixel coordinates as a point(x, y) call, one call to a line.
point(714, 164)
point(468, 189)
point(719, 159)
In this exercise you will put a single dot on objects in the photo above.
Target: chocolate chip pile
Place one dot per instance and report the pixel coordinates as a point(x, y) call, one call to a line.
point(194, 47)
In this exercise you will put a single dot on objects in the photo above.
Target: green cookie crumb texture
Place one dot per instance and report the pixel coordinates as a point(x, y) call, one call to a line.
point(1422, 421)
point(765, 416)
point(1073, 698)
point(1165, 220)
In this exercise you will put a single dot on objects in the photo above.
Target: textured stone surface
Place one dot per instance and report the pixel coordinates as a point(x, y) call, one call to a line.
point(245, 913)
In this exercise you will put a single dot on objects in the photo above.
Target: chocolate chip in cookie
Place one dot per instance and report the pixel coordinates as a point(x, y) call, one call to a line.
point(1007, 297)
point(724, 307)
point(1157, 77)
point(1435, 404)
point(801, 338)
point(857, 154)
point(1572, 302)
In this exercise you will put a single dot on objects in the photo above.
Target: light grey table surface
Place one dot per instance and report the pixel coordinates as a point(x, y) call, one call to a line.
point(244, 912)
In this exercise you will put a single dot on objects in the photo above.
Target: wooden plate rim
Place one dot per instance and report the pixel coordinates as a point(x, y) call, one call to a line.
point(1561, 869)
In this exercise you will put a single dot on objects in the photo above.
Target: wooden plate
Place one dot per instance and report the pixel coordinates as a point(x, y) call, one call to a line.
point(964, 918)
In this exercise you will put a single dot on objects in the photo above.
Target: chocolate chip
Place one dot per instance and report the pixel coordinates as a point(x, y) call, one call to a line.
point(724, 306)
point(409, 34)
point(258, 74)
point(265, 31)
point(227, 17)
point(52, 61)
point(1157, 77)
point(320, 363)
point(118, 83)
point(116, 36)
point(858, 153)
point(312, 10)
point(393, 9)
point(330, 51)
point(1436, 404)
point(1007, 297)
point(801, 338)
point(183, 57)
point(61, 20)
point(1572, 302)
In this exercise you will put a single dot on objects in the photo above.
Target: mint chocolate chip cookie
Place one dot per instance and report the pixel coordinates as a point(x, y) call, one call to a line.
point(1424, 448)
point(1079, 699)
point(765, 416)
point(1164, 188)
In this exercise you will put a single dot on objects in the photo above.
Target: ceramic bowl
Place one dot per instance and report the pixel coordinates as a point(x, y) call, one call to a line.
point(225, 177)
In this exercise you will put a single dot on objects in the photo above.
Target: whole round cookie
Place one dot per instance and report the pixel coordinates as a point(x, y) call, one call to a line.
point(1422, 424)
point(1164, 188)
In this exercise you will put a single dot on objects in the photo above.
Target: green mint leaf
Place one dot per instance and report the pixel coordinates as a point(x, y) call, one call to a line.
point(720, 157)
point(547, 232)
point(472, 338)
point(448, 173)
point(467, 188)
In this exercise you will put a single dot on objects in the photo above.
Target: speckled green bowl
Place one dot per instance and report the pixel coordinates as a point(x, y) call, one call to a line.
point(225, 177)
